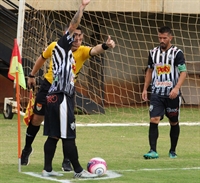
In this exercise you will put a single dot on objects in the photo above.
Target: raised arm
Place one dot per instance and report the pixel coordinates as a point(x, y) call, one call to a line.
point(77, 17)
point(100, 48)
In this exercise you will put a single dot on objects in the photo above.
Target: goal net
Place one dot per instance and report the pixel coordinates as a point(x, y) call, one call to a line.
point(113, 81)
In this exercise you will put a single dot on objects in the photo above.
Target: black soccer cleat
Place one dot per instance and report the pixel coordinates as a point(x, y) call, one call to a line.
point(66, 165)
point(25, 156)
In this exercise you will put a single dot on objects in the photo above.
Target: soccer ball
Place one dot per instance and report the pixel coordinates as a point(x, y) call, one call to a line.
point(97, 166)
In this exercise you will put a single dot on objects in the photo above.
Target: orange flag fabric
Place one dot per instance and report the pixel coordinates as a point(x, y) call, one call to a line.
point(29, 110)
point(16, 66)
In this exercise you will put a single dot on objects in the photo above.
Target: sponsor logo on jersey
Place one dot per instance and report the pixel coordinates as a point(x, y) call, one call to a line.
point(162, 69)
point(163, 84)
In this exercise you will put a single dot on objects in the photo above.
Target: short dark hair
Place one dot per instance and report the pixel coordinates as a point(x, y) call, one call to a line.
point(67, 26)
point(165, 29)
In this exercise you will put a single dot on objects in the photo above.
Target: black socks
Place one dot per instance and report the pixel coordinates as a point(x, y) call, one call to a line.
point(174, 135)
point(49, 151)
point(153, 136)
point(70, 149)
point(31, 132)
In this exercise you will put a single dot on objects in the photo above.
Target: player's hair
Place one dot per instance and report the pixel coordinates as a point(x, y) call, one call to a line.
point(165, 29)
point(78, 28)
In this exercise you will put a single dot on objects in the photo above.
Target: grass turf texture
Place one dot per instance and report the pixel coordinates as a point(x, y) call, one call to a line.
point(121, 147)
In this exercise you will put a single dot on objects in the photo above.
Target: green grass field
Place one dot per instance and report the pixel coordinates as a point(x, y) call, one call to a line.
point(121, 147)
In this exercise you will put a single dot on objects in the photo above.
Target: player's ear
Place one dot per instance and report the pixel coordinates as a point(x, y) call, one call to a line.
point(171, 38)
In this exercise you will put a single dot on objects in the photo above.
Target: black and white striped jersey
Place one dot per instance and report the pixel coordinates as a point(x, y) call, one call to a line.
point(63, 66)
point(165, 73)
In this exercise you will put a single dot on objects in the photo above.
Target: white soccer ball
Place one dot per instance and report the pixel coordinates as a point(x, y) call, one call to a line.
point(97, 166)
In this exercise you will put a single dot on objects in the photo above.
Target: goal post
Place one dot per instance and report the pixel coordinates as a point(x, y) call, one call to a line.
point(115, 79)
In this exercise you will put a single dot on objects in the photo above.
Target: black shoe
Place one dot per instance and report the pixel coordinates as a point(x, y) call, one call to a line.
point(25, 156)
point(66, 165)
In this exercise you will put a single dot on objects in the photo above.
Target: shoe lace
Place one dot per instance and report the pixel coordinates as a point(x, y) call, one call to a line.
point(173, 153)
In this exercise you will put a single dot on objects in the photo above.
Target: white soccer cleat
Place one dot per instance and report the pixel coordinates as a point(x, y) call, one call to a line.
point(84, 174)
point(52, 173)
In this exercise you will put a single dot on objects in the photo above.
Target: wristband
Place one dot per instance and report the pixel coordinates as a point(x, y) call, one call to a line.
point(31, 76)
point(104, 46)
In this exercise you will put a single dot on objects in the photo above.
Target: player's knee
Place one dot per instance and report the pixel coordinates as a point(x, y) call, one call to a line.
point(37, 120)
point(173, 123)
point(155, 120)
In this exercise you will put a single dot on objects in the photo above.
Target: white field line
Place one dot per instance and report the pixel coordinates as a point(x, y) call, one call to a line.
point(110, 174)
point(46, 178)
point(159, 169)
point(129, 124)
point(135, 124)
point(132, 124)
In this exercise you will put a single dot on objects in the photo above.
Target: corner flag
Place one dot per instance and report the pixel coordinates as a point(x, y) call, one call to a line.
point(16, 66)
point(29, 110)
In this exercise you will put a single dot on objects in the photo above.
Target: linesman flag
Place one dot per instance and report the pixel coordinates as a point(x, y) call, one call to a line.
point(16, 66)
point(29, 110)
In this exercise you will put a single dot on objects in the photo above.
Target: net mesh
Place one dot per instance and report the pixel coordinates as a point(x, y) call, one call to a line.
point(114, 80)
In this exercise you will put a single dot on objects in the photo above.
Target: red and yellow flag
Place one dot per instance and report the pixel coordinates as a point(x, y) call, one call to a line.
point(29, 110)
point(16, 66)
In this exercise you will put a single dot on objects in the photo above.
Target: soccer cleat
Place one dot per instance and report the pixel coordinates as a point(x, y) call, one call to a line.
point(151, 155)
point(172, 154)
point(52, 173)
point(25, 156)
point(66, 165)
point(84, 174)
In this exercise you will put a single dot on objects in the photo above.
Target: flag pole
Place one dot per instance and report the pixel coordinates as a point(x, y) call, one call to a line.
point(18, 120)
point(20, 28)
point(20, 24)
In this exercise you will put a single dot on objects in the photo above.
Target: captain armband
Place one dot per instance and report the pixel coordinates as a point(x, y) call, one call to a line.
point(182, 68)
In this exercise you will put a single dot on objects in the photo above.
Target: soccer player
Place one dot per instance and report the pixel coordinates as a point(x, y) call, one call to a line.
point(81, 54)
point(166, 72)
point(59, 114)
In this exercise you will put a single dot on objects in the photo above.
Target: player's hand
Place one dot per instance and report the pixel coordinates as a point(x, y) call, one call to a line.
point(31, 82)
point(85, 2)
point(144, 95)
point(110, 43)
point(174, 93)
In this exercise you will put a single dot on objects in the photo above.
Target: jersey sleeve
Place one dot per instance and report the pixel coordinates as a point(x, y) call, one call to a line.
point(47, 53)
point(150, 61)
point(86, 52)
point(179, 59)
point(65, 41)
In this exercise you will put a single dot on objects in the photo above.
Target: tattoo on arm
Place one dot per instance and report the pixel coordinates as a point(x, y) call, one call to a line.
point(77, 17)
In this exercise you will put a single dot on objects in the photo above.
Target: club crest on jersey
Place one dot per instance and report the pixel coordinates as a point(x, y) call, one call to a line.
point(170, 57)
point(38, 106)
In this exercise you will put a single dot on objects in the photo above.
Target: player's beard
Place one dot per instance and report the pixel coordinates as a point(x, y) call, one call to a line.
point(163, 46)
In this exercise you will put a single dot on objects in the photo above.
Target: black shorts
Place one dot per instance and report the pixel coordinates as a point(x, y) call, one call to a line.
point(59, 118)
point(160, 106)
point(40, 100)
